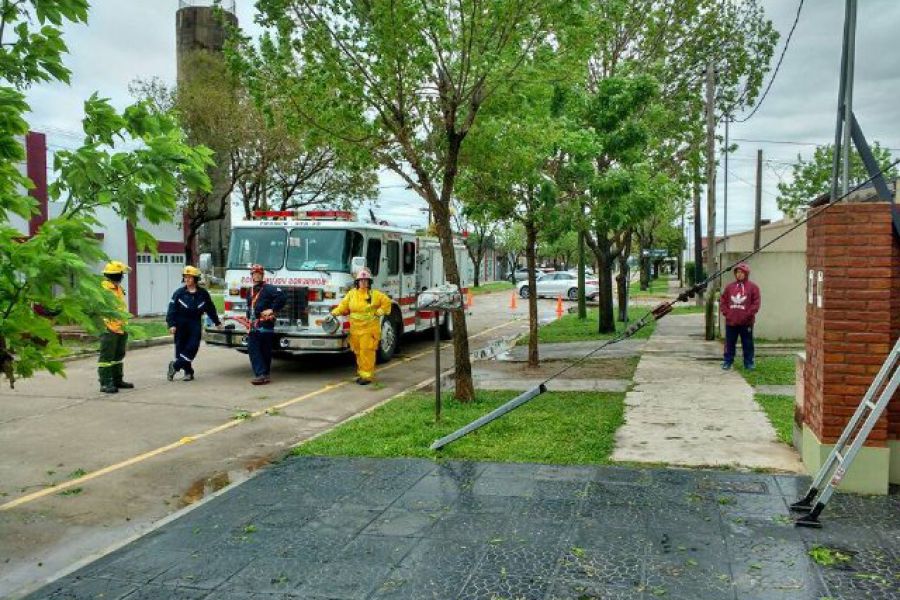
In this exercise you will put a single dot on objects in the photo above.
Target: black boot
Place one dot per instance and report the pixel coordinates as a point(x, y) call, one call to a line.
point(118, 373)
point(106, 380)
point(188, 377)
point(170, 373)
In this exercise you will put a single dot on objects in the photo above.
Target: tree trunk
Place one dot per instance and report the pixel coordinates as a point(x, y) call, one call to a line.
point(465, 390)
point(623, 279)
point(582, 304)
point(606, 322)
point(189, 244)
point(531, 262)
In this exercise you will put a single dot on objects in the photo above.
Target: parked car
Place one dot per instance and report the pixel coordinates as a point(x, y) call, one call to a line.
point(551, 285)
point(522, 274)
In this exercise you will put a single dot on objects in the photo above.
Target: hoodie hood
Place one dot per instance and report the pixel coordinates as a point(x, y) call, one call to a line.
point(743, 267)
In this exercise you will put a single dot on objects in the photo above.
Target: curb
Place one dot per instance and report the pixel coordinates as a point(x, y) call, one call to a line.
point(148, 343)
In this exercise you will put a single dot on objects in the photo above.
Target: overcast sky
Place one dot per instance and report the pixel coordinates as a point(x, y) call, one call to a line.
point(127, 39)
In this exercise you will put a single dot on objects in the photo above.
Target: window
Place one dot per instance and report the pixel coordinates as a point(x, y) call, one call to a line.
point(409, 258)
point(373, 256)
point(393, 258)
point(322, 249)
point(250, 246)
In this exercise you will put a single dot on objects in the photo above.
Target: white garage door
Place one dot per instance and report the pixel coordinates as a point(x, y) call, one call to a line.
point(157, 278)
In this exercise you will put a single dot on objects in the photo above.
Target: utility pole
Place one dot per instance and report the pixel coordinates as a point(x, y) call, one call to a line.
point(698, 248)
point(681, 251)
point(725, 190)
point(710, 199)
point(848, 96)
point(757, 220)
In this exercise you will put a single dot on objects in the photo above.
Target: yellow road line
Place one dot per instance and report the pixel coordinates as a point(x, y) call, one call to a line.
point(192, 438)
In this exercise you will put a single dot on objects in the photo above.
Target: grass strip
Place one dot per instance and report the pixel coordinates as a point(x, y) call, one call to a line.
point(555, 428)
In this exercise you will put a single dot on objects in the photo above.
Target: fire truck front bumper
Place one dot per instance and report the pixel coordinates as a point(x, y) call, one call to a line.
point(285, 342)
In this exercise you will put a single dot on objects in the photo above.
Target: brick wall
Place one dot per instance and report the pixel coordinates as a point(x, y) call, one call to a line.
point(848, 338)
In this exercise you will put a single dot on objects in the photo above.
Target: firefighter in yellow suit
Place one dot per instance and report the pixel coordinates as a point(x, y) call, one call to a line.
point(114, 340)
point(365, 307)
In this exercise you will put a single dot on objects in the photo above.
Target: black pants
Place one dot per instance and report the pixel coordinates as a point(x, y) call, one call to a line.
point(259, 346)
point(187, 344)
point(745, 332)
point(112, 353)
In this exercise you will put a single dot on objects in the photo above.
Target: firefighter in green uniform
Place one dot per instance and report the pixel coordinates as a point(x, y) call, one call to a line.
point(114, 340)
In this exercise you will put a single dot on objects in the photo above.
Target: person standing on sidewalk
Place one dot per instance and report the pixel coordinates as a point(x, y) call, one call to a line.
point(186, 308)
point(365, 306)
point(113, 341)
point(264, 302)
point(739, 303)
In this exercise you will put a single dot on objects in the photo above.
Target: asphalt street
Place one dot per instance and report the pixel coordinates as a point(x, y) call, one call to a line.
point(81, 470)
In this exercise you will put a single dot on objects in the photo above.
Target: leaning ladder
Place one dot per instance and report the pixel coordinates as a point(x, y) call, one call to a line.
point(852, 438)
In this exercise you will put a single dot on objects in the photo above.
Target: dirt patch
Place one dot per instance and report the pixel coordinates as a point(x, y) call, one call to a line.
point(599, 368)
point(203, 486)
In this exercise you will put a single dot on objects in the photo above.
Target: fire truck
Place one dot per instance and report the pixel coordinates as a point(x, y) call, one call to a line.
point(313, 256)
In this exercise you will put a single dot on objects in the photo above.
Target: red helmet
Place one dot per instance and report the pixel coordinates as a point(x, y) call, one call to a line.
point(257, 268)
point(364, 273)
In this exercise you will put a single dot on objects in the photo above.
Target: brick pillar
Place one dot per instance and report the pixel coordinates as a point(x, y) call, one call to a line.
point(853, 263)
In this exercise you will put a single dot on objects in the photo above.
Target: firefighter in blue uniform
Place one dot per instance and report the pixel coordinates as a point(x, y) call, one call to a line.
point(263, 302)
point(188, 305)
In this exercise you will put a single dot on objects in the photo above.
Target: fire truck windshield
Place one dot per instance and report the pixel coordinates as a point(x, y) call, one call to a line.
point(253, 245)
point(323, 249)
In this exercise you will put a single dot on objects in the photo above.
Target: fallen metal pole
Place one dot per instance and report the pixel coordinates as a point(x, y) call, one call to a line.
point(497, 412)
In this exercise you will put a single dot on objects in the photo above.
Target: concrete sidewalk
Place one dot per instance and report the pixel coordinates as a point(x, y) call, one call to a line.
point(684, 410)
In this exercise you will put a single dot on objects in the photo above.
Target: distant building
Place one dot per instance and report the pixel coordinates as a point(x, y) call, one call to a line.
point(152, 279)
point(780, 272)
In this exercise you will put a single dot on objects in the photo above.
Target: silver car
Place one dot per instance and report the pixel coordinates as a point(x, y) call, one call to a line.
point(559, 283)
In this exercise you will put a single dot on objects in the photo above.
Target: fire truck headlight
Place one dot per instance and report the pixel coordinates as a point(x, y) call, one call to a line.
point(285, 343)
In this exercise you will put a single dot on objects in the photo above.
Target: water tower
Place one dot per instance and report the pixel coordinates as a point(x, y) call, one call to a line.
point(200, 26)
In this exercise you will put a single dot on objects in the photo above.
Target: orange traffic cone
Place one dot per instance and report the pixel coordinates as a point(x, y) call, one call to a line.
point(512, 301)
point(470, 299)
point(559, 307)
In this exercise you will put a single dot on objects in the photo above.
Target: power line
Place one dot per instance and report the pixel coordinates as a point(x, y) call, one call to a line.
point(793, 143)
point(753, 185)
point(787, 43)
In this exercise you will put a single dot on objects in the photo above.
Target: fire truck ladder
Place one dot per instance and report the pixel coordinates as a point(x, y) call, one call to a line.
point(853, 437)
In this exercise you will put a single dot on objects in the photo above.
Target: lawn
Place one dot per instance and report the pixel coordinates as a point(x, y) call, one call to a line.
point(572, 329)
point(780, 410)
point(770, 370)
point(218, 299)
point(556, 428)
point(142, 329)
point(493, 286)
point(658, 287)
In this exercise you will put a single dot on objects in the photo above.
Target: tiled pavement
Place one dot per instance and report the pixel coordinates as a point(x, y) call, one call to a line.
point(317, 528)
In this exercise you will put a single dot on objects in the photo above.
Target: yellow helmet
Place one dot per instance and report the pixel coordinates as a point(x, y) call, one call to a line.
point(192, 271)
point(115, 267)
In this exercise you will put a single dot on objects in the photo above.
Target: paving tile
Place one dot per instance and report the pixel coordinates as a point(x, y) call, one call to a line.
point(73, 588)
point(333, 528)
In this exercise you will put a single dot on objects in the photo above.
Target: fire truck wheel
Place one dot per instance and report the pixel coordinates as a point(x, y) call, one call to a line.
point(390, 339)
point(447, 327)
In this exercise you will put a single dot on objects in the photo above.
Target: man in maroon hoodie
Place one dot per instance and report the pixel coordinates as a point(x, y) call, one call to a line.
point(739, 303)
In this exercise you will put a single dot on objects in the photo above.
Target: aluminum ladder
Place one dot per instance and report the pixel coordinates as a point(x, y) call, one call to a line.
point(851, 441)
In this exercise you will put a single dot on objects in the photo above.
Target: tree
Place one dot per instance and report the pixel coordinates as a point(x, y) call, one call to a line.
point(478, 234)
point(270, 166)
point(510, 238)
point(405, 81)
point(50, 276)
point(655, 52)
point(812, 178)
